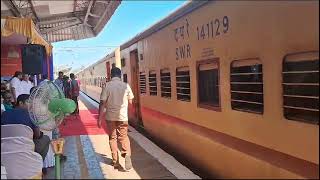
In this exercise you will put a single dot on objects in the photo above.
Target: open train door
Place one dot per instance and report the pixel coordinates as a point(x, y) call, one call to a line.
point(135, 118)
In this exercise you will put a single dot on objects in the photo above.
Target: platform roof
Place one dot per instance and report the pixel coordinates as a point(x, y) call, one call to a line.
point(62, 20)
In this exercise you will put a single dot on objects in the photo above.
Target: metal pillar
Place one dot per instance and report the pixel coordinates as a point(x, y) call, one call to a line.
point(57, 167)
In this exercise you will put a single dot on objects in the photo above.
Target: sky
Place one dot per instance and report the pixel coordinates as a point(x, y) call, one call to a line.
point(130, 18)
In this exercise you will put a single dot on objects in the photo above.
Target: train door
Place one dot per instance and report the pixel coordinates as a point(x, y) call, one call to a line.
point(108, 71)
point(134, 62)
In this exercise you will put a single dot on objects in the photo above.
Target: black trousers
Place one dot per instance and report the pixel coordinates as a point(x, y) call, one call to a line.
point(75, 99)
point(42, 146)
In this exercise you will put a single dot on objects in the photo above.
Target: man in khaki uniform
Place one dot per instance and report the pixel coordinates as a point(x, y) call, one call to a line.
point(115, 97)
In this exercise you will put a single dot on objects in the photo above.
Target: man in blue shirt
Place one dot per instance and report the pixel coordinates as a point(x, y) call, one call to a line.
point(20, 115)
point(59, 81)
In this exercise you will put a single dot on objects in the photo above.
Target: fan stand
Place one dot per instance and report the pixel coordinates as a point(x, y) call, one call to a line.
point(58, 150)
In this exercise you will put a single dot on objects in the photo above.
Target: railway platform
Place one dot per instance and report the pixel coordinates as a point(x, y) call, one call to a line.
point(89, 156)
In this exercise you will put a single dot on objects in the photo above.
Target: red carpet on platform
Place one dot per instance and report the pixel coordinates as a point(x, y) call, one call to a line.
point(85, 124)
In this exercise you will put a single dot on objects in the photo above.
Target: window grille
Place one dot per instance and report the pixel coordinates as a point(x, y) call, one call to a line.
point(165, 83)
point(143, 82)
point(153, 83)
point(183, 84)
point(300, 82)
point(247, 86)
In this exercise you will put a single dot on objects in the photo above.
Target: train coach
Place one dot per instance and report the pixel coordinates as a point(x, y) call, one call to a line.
point(232, 87)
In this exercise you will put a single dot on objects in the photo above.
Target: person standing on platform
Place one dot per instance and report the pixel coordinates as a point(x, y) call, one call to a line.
point(59, 81)
point(15, 85)
point(74, 91)
point(31, 79)
point(26, 85)
point(78, 80)
point(66, 86)
point(42, 78)
point(45, 79)
point(39, 78)
point(115, 97)
point(55, 132)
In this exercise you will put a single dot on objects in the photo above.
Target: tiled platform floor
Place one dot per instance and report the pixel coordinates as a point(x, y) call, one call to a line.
point(92, 160)
point(89, 157)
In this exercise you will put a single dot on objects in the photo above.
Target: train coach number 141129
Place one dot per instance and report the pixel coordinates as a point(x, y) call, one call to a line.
point(213, 28)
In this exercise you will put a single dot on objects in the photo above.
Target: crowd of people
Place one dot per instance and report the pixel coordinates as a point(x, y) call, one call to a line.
point(70, 87)
point(15, 95)
point(113, 109)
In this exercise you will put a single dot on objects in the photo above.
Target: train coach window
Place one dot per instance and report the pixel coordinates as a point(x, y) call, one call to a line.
point(143, 83)
point(165, 83)
point(247, 85)
point(301, 87)
point(183, 84)
point(125, 78)
point(208, 84)
point(153, 83)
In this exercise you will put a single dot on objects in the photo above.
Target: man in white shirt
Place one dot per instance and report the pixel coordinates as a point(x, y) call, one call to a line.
point(26, 85)
point(15, 85)
point(115, 97)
